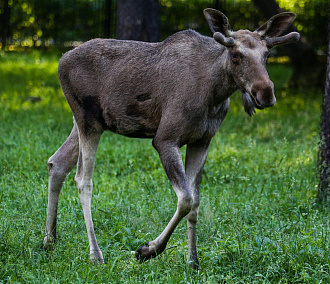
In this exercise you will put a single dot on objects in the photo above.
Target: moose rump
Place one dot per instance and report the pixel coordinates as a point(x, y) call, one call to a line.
point(117, 96)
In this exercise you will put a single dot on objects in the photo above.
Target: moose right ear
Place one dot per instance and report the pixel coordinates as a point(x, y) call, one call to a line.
point(217, 21)
point(276, 25)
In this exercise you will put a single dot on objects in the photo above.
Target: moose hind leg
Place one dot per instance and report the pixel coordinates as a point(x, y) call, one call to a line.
point(87, 153)
point(59, 166)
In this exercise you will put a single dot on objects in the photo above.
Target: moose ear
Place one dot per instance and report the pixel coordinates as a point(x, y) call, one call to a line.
point(276, 25)
point(217, 21)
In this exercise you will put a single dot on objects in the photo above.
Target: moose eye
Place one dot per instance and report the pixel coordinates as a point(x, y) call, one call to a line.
point(235, 57)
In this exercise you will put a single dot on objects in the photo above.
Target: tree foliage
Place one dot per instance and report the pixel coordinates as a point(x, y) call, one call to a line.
point(39, 23)
point(36, 23)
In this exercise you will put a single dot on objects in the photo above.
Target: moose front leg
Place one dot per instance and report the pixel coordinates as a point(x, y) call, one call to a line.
point(170, 156)
point(196, 155)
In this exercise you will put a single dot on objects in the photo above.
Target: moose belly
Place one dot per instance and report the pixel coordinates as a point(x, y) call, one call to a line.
point(130, 115)
point(135, 126)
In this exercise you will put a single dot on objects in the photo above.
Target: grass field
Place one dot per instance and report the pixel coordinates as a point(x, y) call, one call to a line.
point(258, 219)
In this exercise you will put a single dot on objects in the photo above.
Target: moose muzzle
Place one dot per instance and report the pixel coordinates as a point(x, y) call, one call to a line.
point(262, 93)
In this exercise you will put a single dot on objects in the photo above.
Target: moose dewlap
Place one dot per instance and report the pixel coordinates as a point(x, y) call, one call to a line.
point(175, 92)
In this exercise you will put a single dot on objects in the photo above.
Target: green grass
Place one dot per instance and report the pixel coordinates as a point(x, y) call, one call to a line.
point(258, 219)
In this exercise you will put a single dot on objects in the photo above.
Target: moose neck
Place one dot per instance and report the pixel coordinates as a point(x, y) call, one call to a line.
point(223, 81)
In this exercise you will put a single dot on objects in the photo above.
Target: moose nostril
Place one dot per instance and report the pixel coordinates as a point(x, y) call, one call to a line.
point(254, 95)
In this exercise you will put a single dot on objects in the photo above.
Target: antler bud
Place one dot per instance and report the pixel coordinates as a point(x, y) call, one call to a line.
point(226, 41)
point(289, 38)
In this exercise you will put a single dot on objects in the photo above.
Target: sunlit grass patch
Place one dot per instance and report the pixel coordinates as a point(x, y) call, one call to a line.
point(29, 80)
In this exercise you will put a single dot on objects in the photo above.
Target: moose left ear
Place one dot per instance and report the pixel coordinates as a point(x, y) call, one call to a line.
point(276, 25)
point(217, 21)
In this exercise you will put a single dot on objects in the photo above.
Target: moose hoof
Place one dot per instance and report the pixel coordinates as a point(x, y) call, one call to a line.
point(49, 243)
point(194, 264)
point(96, 257)
point(144, 253)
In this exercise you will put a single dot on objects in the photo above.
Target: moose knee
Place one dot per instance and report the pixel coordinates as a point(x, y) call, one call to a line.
point(185, 204)
point(57, 173)
point(60, 164)
point(193, 214)
point(85, 187)
point(55, 169)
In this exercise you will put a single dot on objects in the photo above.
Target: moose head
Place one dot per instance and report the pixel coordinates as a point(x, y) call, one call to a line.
point(248, 52)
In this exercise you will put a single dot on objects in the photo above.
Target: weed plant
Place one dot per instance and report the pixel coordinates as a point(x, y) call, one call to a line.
point(258, 220)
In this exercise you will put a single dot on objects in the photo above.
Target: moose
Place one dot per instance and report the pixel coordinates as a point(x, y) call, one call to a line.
point(176, 92)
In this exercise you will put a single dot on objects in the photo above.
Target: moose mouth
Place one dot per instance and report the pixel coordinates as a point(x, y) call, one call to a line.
point(254, 98)
point(250, 102)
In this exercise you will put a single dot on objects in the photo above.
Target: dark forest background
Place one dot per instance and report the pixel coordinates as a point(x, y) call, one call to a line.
point(44, 23)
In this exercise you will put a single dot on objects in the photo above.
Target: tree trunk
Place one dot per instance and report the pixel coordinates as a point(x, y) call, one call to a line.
point(324, 186)
point(107, 18)
point(5, 22)
point(305, 62)
point(138, 20)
